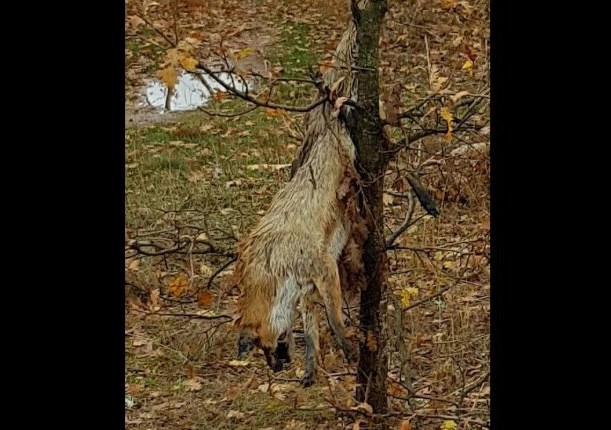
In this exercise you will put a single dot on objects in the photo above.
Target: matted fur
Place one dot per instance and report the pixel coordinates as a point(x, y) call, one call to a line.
point(297, 242)
point(291, 256)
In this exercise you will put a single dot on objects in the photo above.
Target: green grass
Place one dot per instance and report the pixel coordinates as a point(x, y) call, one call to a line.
point(204, 164)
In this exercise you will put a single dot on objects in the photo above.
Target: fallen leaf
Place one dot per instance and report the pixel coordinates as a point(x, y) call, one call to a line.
point(204, 298)
point(267, 166)
point(468, 66)
point(188, 63)
point(445, 113)
point(239, 363)
point(244, 53)
point(178, 286)
point(235, 414)
point(234, 183)
point(448, 425)
point(205, 270)
point(134, 388)
point(436, 81)
point(274, 113)
point(193, 384)
point(219, 95)
point(136, 21)
point(154, 300)
point(405, 425)
point(448, 4)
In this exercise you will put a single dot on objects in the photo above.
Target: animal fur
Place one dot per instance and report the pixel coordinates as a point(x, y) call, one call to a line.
point(291, 255)
point(308, 244)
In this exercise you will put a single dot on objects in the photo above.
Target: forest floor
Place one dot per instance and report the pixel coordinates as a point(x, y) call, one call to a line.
point(195, 183)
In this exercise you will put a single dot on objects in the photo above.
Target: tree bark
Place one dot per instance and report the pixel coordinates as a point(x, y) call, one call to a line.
point(370, 143)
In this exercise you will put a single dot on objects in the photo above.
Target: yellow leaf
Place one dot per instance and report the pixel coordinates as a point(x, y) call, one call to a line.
point(188, 63)
point(468, 66)
point(407, 294)
point(448, 425)
point(178, 286)
point(244, 53)
point(448, 265)
point(448, 117)
point(168, 76)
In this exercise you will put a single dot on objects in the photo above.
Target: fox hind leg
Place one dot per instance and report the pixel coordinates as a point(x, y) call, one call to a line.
point(328, 286)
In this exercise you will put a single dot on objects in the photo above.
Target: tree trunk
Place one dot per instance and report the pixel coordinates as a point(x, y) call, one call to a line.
point(370, 143)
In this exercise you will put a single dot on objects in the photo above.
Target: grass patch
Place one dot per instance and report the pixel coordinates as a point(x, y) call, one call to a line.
point(211, 165)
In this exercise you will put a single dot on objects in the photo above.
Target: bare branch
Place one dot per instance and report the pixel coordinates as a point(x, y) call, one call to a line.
point(256, 102)
point(408, 217)
point(159, 32)
point(426, 299)
point(192, 316)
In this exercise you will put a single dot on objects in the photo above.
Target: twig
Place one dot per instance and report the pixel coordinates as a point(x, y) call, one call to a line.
point(193, 316)
point(416, 396)
point(254, 101)
point(424, 197)
point(473, 385)
point(227, 115)
point(159, 32)
point(426, 299)
point(408, 217)
point(219, 270)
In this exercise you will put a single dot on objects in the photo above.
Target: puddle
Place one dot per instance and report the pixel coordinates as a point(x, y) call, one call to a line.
point(189, 92)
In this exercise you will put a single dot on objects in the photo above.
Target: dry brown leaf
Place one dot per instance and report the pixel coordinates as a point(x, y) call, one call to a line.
point(363, 407)
point(193, 384)
point(154, 300)
point(204, 298)
point(239, 363)
point(219, 95)
point(405, 425)
point(235, 414)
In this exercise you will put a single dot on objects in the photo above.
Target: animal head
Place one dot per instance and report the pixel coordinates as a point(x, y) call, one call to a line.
point(250, 338)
